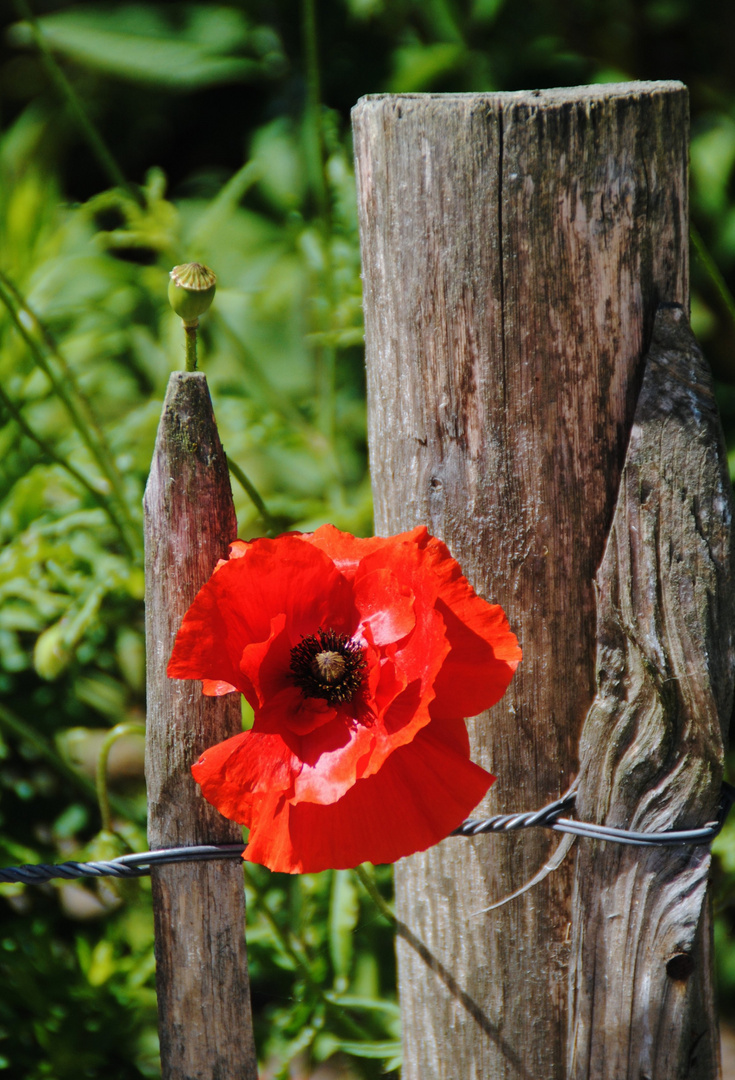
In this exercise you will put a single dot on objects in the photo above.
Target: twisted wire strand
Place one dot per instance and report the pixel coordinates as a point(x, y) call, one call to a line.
point(124, 866)
point(548, 817)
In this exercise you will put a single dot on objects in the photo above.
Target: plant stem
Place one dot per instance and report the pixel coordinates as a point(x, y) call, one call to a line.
point(260, 387)
point(371, 889)
point(400, 929)
point(47, 337)
point(314, 142)
point(191, 346)
point(103, 795)
point(283, 936)
point(324, 356)
point(712, 270)
point(22, 730)
point(67, 392)
point(353, 1026)
point(327, 373)
point(223, 204)
point(253, 495)
point(94, 140)
point(102, 500)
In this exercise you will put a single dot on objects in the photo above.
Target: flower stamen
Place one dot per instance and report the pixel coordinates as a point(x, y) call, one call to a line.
point(328, 665)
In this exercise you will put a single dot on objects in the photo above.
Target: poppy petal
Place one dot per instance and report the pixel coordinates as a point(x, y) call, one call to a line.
point(345, 551)
point(265, 663)
point(480, 665)
point(290, 709)
point(411, 803)
point(216, 688)
point(236, 605)
point(385, 605)
point(232, 771)
point(376, 764)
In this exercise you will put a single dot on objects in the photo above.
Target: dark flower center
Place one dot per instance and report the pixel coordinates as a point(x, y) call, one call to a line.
point(328, 665)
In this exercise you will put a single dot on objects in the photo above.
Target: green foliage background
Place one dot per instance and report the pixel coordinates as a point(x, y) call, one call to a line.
point(136, 136)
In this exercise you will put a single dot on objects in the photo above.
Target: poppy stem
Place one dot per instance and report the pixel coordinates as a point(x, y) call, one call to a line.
point(712, 271)
point(371, 889)
point(191, 345)
point(313, 117)
point(102, 500)
point(254, 496)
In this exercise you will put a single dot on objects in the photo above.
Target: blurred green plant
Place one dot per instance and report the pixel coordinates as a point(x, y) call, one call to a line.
point(228, 99)
point(86, 345)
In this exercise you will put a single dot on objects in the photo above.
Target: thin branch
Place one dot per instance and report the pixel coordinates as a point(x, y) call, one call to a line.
point(302, 964)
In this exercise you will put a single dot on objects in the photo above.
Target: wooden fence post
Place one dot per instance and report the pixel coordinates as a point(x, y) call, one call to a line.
point(651, 754)
point(515, 250)
point(205, 1022)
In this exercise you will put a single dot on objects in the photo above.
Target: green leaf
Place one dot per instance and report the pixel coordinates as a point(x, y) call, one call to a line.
point(55, 647)
point(353, 1001)
point(101, 963)
point(279, 160)
point(386, 1049)
point(419, 67)
point(142, 51)
point(712, 161)
point(486, 11)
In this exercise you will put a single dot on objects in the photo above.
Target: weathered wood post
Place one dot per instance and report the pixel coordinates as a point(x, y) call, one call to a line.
point(205, 1022)
point(652, 747)
point(515, 250)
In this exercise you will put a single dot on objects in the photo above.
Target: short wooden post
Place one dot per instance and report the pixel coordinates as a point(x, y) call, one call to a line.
point(202, 982)
point(515, 250)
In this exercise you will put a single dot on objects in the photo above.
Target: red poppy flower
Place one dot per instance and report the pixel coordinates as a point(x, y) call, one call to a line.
point(360, 659)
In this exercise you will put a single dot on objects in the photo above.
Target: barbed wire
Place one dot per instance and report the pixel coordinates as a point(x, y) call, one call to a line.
point(548, 817)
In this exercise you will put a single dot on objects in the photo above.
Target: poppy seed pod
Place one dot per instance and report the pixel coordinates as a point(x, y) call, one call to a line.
point(191, 291)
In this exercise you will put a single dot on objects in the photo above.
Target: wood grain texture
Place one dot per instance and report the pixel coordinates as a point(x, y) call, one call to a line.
point(515, 248)
point(205, 1020)
point(652, 744)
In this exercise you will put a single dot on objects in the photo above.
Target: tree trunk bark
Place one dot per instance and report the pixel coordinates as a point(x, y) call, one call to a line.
point(205, 1022)
point(515, 249)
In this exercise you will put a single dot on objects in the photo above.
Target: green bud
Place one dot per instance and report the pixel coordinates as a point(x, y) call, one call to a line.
point(191, 291)
point(52, 654)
